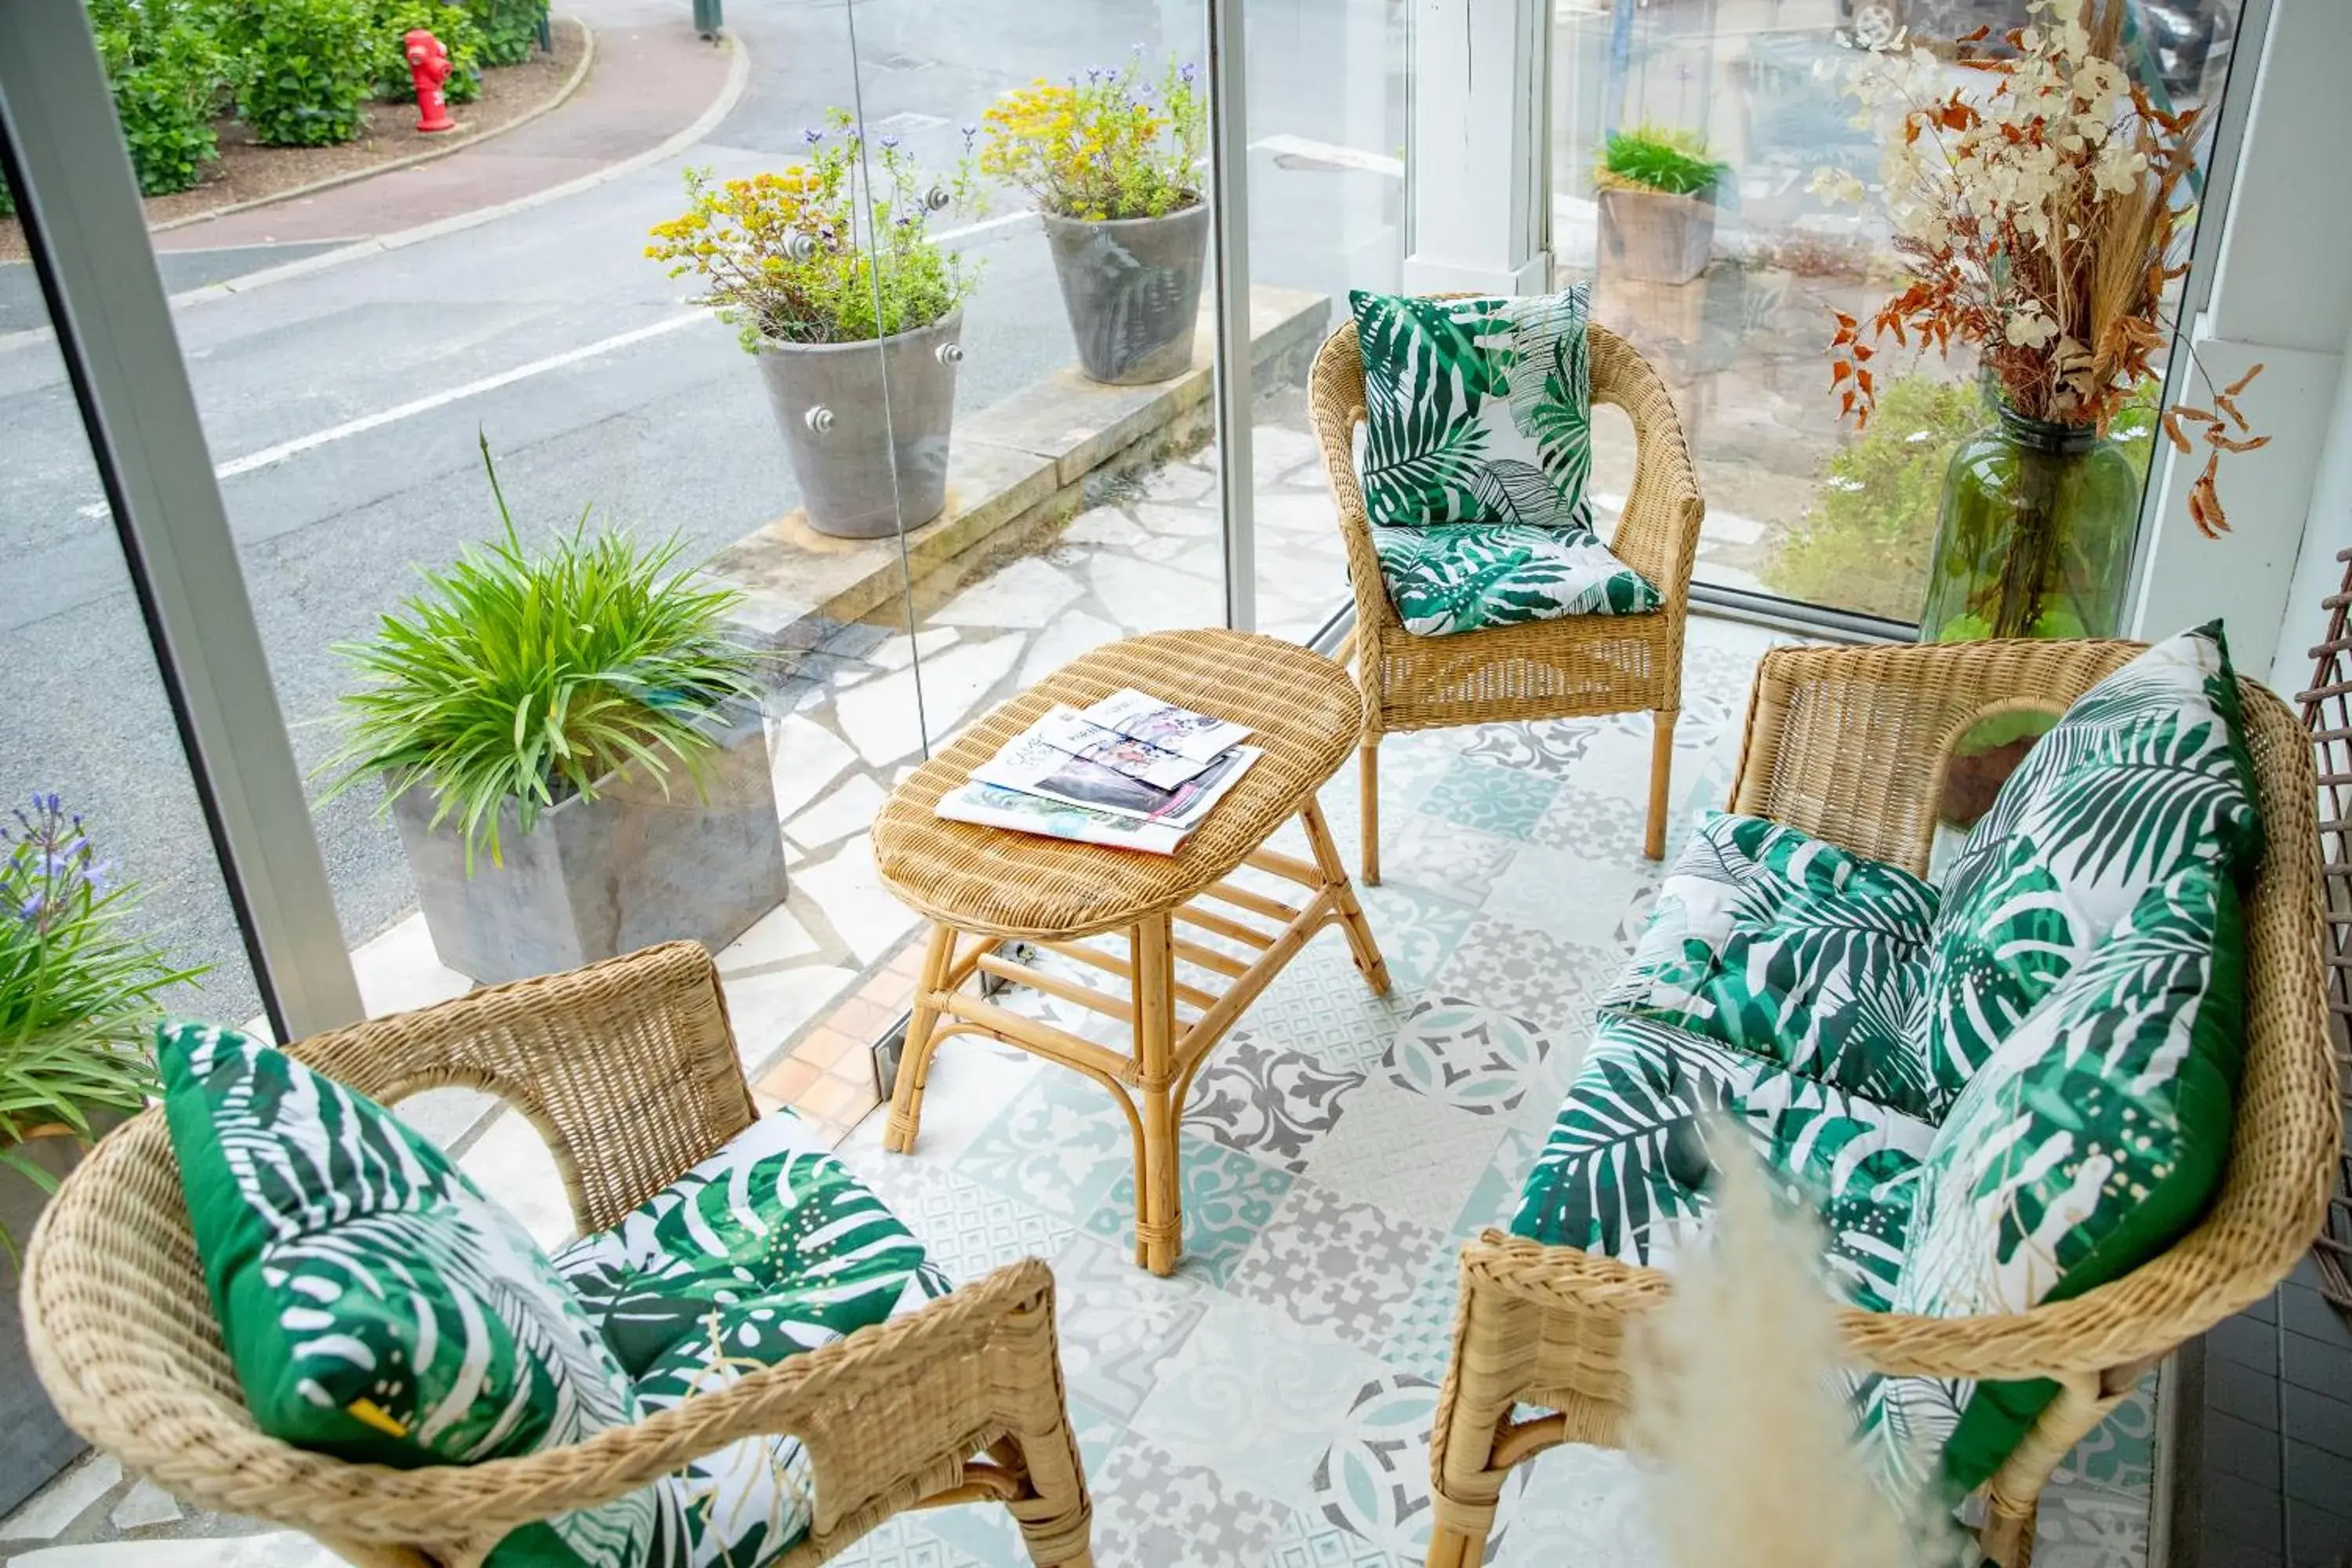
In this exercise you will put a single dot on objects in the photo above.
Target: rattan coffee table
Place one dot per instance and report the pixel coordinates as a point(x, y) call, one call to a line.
point(984, 887)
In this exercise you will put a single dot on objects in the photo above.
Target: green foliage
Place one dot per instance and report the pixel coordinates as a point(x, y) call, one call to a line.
point(1112, 146)
point(1655, 158)
point(301, 68)
point(78, 992)
point(453, 24)
point(1866, 542)
point(530, 678)
point(166, 70)
point(509, 28)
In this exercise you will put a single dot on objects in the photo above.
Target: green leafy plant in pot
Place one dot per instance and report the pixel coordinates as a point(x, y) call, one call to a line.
point(1112, 163)
point(570, 744)
point(1657, 204)
point(829, 271)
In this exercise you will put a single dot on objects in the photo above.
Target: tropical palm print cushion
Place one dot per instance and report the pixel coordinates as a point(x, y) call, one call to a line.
point(1476, 410)
point(1773, 941)
point(2146, 772)
point(2090, 1141)
point(1464, 577)
point(375, 1305)
point(1624, 1172)
point(768, 1249)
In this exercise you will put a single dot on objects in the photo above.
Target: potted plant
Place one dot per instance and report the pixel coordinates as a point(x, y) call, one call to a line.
point(2036, 211)
point(1111, 163)
point(1657, 204)
point(79, 1001)
point(570, 744)
point(839, 290)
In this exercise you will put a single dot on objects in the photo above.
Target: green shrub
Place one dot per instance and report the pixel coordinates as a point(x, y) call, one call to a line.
point(1654, 158)
point(8, 199)
point(166, 70)
point(301, 68)
point(529, 677)
point(1866, 541)
point(451, 23)
point(510, 28)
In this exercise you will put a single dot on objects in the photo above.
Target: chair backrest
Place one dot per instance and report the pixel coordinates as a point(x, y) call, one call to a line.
point(1850, 743)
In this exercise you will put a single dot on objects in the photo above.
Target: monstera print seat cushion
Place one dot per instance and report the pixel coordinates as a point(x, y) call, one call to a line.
point(1477, 445)
point(1624, 1171)
point(1775, 942)
point(378, 1306)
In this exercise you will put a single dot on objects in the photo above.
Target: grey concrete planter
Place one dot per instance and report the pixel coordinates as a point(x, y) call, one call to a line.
point(1648, 236)
point(864, 471)
point(1132, 289)
point(597, 878)
point(35, 1445)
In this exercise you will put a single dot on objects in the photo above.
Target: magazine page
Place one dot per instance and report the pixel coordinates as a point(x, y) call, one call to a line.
point(992, 806)
point(1066, 729)
point(1028, 762)
point(1155, 719)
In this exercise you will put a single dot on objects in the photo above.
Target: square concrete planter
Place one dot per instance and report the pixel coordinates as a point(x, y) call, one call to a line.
point(595, 879)
point(35, 1445)
point(1648, 236)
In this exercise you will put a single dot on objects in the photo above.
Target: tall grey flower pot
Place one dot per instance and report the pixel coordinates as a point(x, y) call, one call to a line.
point(1132, 289)
point(1648, 236)
point(35, 1445)
point(596, 877)
point(867, 466)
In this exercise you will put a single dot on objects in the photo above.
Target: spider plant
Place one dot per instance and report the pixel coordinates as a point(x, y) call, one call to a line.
point(1653, 158)
point(530, 678)
point(78, 992)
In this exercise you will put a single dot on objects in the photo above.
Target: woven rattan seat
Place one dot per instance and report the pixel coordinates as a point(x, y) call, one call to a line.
point(981, 886)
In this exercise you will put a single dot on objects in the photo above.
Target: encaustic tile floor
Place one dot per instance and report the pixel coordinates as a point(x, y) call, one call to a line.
point(1270, 1404)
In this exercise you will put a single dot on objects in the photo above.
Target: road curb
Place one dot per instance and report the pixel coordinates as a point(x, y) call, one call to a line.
point(738, 74)
point(353, 176)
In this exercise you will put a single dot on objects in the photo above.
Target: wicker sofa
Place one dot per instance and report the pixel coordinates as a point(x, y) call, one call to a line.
point(1848, 745)
point(628, 1070)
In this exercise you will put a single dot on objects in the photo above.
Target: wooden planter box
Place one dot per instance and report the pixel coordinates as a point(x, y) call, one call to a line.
point(1651, 237)
point(595, 879)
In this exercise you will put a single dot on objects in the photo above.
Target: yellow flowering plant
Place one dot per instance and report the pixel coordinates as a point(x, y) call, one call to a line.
point(836, 249)
point(1113, 145)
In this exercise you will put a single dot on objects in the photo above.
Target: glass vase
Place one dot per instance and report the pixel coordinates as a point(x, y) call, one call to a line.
point(2033, 539)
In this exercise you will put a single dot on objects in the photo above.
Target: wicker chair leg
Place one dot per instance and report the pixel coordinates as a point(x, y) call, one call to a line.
point(1369, 772)
point(1055, 1514)
point(1661, 770)
point(914, 1056)
point(2007, 1538)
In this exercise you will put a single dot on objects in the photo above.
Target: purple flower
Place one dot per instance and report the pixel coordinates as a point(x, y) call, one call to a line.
point(1187, 71)
point(1094, 73)
point(812, 135)
point(888, 142)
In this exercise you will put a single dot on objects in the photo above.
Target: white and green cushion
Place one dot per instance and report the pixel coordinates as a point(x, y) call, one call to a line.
point(1464, 577)
point(2088, 1141)
point(2146, 772)
point(1624, 1173)
point(1773, 941)
point(1476, 410)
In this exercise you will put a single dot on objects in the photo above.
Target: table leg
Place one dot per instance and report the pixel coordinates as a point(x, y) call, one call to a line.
point(1159, 1200)
point(1361, 945)
point(914, 1056)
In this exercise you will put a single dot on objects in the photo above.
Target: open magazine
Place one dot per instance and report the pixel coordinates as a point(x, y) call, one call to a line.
point(1131, 771)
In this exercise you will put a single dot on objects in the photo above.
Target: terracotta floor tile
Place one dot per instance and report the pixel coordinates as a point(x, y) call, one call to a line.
point(790, 1081)
point(829, 1096)
point(823, 1046)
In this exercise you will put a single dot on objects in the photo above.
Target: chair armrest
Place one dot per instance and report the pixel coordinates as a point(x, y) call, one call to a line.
point(1336, 401)
point(627, 1068)
point(1658, 534)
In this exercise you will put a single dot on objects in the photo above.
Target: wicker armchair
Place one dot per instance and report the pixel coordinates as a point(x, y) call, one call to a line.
point(628, 1070)
point(1849, 744)
point(1566, 668)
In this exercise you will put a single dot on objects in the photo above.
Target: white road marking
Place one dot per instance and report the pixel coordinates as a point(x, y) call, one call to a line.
point(1331, 152)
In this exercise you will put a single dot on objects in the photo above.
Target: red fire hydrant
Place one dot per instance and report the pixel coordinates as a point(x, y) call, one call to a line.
point(428, 67)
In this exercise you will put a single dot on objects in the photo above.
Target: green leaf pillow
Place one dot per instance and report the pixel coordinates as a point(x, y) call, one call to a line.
point(375, 1305)
point(2145, 774)
point(1476, 410)
point(2090, 1141)
point(1464, 577)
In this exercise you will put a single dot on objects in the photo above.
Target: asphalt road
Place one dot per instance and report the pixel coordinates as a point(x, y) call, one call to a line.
point(666, 433)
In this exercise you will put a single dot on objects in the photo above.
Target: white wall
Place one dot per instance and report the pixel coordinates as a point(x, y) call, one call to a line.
point(2283, 296)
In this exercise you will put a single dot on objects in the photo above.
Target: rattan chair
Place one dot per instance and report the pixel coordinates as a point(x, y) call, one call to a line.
point(628, 1070)
point(1573, 668)
point(1849, 744)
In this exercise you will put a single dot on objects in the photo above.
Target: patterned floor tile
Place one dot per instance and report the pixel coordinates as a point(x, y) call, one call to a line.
point(1119, 1322)
point(1060, 1146)
point(1228, 1198)
point(905, 1541)
point(1273, 1104)
point(1505, 801)
point(1443, 857)
point(1373, 1480)
point(971, 1081)
point(1324, 1260)
point(1255, 1397)
point(1417, 930)
point(967, 1228)
point(1569, 896)
point(1494, 1196)
point(2090, 1529)
point(1397, 1151)
point(1577, 1507)
point(2119, 1456)
point(1308, 1539)
point(1464, 1053)
point(1527, 972)
point(1320, 1005)
point(1154, 1511)
point(1601, 825)
point(1419, 1335)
